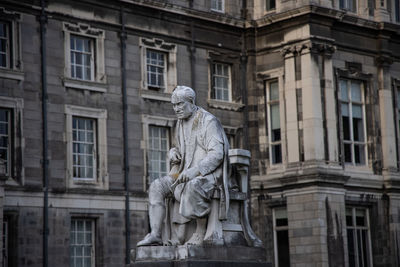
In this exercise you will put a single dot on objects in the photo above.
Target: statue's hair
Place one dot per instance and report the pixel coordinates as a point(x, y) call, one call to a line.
point(185, 92)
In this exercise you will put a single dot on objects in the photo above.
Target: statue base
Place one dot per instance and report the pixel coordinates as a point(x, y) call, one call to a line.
point(199, 256)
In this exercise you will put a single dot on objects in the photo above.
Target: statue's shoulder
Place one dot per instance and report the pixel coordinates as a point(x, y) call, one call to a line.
point(205, 115)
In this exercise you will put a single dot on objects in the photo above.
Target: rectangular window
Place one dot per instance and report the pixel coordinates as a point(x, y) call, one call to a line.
point(358, 237)
point(156, 63)
point(4, 44)
point(82, 245)
point(5, 135)
point(84, 148)
point(350, 5)
point(217, 5)
point(274, 123)
point(281, 236)
point(157, 153)
point(353, 122)
point(82, 63)
point(270, 5)
point(221, 82)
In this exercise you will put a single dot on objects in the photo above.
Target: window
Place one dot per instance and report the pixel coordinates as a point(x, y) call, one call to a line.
point(84, 144)
point(397, 10)
point(5, 135)
point(350, 5)
point(11, 139)
point(159, 71)
point(155, 63)
point(158, 149)
point(4, 44)
point(10, 45)
point(353, 123)
point(281, 237)
point(221, 82)
point(82, 243)
point(217, 5)
point(274, 125)
point(358, 237)
point(81, 58)
point(270, 5)
point(84, 57)
point(86, 147)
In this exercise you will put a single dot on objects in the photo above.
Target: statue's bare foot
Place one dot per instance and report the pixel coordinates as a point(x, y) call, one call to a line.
point(149, 240)
point(196, 239)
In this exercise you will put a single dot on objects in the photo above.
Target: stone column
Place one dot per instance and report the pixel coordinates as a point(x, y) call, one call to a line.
point(388, 129)
point(312, 109)
point(292, 131)
point(316, 219)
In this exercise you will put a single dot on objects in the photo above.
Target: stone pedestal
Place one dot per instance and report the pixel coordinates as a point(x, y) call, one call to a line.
point(199, 256)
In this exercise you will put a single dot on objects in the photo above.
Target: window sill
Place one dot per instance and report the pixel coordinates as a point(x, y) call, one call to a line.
point(12, 74)
point(225, 105)
point(85, 85)
point(155, 95)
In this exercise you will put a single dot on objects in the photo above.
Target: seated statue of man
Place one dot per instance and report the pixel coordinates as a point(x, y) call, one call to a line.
point(199, 166)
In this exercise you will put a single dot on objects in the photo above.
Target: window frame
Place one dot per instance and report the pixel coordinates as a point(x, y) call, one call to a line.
point(269, 103)
point(147, 120)
point(100, 117)
point(92, 57)
point(97, 36)
point(213, 85)
point(16, 170)
point(350, 102)
point(222, 10)
point(168, 139)
point(275, 230)
point(269, 9)
point(94, 144)
point(14, 66)
point(164, 72)
point(344, 5)
point(170, 77)
point(93, 237)
point(354, 227)
point(396, 117)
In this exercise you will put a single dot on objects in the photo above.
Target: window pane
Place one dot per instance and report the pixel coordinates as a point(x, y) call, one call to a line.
point(355, 91)
point(349, 217)
point(274, 91)
point(276, 154)
point(358, 130)
point(275, 118)
point(283, 248)
point(359, 154)
point(350, 246)
point(361, 217)
point(343, 90)
point(347, 153)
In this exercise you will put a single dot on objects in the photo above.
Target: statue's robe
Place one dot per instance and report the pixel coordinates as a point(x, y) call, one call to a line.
point(207, 148)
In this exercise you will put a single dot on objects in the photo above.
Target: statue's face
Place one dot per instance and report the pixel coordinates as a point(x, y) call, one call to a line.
point(183, 108)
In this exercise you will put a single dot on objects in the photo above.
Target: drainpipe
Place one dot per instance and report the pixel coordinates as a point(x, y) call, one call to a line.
point(192, 56)
point(43, 22)
point(125, 134)
point(243, 73)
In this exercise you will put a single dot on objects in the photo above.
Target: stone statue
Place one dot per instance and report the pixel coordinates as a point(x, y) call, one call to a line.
point(199, 167)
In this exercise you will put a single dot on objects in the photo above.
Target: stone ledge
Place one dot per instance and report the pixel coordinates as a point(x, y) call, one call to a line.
point(209, 253)
point(200, 263)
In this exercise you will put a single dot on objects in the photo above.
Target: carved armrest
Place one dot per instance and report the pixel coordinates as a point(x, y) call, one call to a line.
point(240, 160)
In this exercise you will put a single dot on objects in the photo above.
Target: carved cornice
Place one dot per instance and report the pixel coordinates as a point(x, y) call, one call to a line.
point(157, 43)
point(82, 28)
point(314, 47)
point(9, 15)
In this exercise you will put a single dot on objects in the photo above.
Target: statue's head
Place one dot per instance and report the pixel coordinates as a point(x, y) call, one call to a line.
point(183, 101)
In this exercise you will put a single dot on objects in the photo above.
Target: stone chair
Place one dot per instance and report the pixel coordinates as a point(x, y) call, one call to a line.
point(236, 230)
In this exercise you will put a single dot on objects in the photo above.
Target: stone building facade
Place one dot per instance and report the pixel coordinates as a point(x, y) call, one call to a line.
point(311, 88)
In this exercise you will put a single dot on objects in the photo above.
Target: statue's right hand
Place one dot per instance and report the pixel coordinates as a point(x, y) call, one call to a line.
point(175, 156)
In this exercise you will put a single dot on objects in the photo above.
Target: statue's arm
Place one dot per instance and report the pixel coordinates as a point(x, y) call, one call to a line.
point(214, 144)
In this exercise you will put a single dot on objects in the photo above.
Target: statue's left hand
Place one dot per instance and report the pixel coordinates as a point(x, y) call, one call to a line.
point(188, 175)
